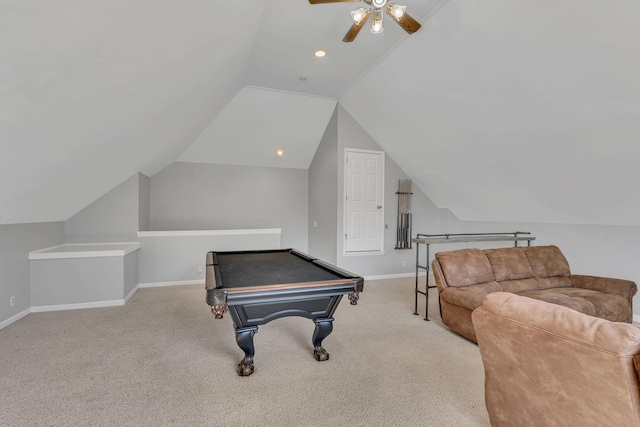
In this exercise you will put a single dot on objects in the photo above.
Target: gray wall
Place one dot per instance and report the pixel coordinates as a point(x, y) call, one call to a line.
point(171, 259)
point(323, 199)
point(343, 132)
point(59, 282)
point(131, 267)
point(114, 217)
point(16, 241)
point(197, 196)
point(144, 202)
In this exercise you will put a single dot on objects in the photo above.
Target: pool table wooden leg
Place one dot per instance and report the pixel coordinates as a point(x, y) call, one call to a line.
point(244, 338)
point(323, 329)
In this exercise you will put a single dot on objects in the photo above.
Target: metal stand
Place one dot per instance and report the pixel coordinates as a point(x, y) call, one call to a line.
point(431, 239)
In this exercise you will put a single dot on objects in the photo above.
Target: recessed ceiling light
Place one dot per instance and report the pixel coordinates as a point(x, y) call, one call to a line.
point(320, 53)
point(279, 152)
point(303, 78)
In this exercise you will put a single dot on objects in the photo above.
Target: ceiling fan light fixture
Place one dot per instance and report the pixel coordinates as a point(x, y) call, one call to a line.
point(396, 11)
point(358, 14)
point(376, 25)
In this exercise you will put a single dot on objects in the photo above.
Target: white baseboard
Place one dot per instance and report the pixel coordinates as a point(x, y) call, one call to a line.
point(95, 304)
point(180, 283)
point(14, 318)
point(636, 319)
point(393, 276)
point(128, 297)
point(78, 306)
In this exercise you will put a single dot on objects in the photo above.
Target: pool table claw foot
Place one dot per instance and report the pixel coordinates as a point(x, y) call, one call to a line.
point(245, 367)
point(354, 298)
point(320, 354)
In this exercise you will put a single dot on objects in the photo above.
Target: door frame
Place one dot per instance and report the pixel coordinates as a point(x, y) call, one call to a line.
point(380, 250)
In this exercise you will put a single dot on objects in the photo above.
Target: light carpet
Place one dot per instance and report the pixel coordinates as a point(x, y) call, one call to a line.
point(163, 360)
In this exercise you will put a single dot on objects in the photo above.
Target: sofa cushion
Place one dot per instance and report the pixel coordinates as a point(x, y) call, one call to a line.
point(465, 267)
point(549, 266)
point(509, 264)
point(511, 269)
point(547, 261)
point(522, 285)
point(554, 282)
point(614, 308)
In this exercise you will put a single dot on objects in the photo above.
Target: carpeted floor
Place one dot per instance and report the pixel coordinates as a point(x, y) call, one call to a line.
point(162, 360)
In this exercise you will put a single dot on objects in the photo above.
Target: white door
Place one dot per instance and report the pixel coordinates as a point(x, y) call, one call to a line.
point(364, 192)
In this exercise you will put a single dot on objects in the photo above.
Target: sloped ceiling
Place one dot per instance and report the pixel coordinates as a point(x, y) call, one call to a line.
point(498, 110)
point(515, 111)
point(93, 92)
point(259, 122)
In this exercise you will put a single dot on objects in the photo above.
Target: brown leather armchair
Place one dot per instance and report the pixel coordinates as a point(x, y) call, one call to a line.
point(548, 365)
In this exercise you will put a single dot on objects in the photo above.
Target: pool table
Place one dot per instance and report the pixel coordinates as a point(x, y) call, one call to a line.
point(257, 287)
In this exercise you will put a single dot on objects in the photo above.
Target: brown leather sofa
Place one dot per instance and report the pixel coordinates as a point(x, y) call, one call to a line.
point(547, 365)
point(464, 277)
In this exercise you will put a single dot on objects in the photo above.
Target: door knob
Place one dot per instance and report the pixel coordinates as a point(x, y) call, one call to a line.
point(379, 206)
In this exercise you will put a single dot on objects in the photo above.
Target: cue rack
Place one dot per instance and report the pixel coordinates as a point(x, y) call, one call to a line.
point(432, 239)
point(404, 214)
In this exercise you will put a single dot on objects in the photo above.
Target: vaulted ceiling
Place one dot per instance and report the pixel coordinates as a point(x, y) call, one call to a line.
point(499, 110)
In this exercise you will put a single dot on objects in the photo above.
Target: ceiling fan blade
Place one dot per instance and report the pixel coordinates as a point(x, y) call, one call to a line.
point(355, 28)
point(407, 23)
point(332, 1)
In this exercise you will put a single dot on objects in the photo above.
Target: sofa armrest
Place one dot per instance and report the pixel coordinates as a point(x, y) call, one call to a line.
point(438, 275)
point(625, 288)
point(469, 297)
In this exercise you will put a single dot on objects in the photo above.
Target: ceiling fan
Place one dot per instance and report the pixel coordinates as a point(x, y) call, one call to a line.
point(360, 16)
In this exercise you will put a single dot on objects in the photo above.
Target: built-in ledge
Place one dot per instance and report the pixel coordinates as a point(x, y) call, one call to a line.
point(85, 250)
point(195, 233)
point(83, 275)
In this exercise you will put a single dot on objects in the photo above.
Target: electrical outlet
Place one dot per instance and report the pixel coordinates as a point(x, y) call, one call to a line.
point(315, 224)
point(404, 263)
point(12, 301)
point(199, 270)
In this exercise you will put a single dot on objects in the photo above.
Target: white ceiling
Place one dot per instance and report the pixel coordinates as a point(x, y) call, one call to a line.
point(499, 110)
point(259, 122)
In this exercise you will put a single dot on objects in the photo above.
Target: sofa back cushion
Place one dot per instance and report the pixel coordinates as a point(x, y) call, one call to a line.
point(516, 269)
point(509, 264)
point(549, 266)
point(465, 267)
point(511, 269)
